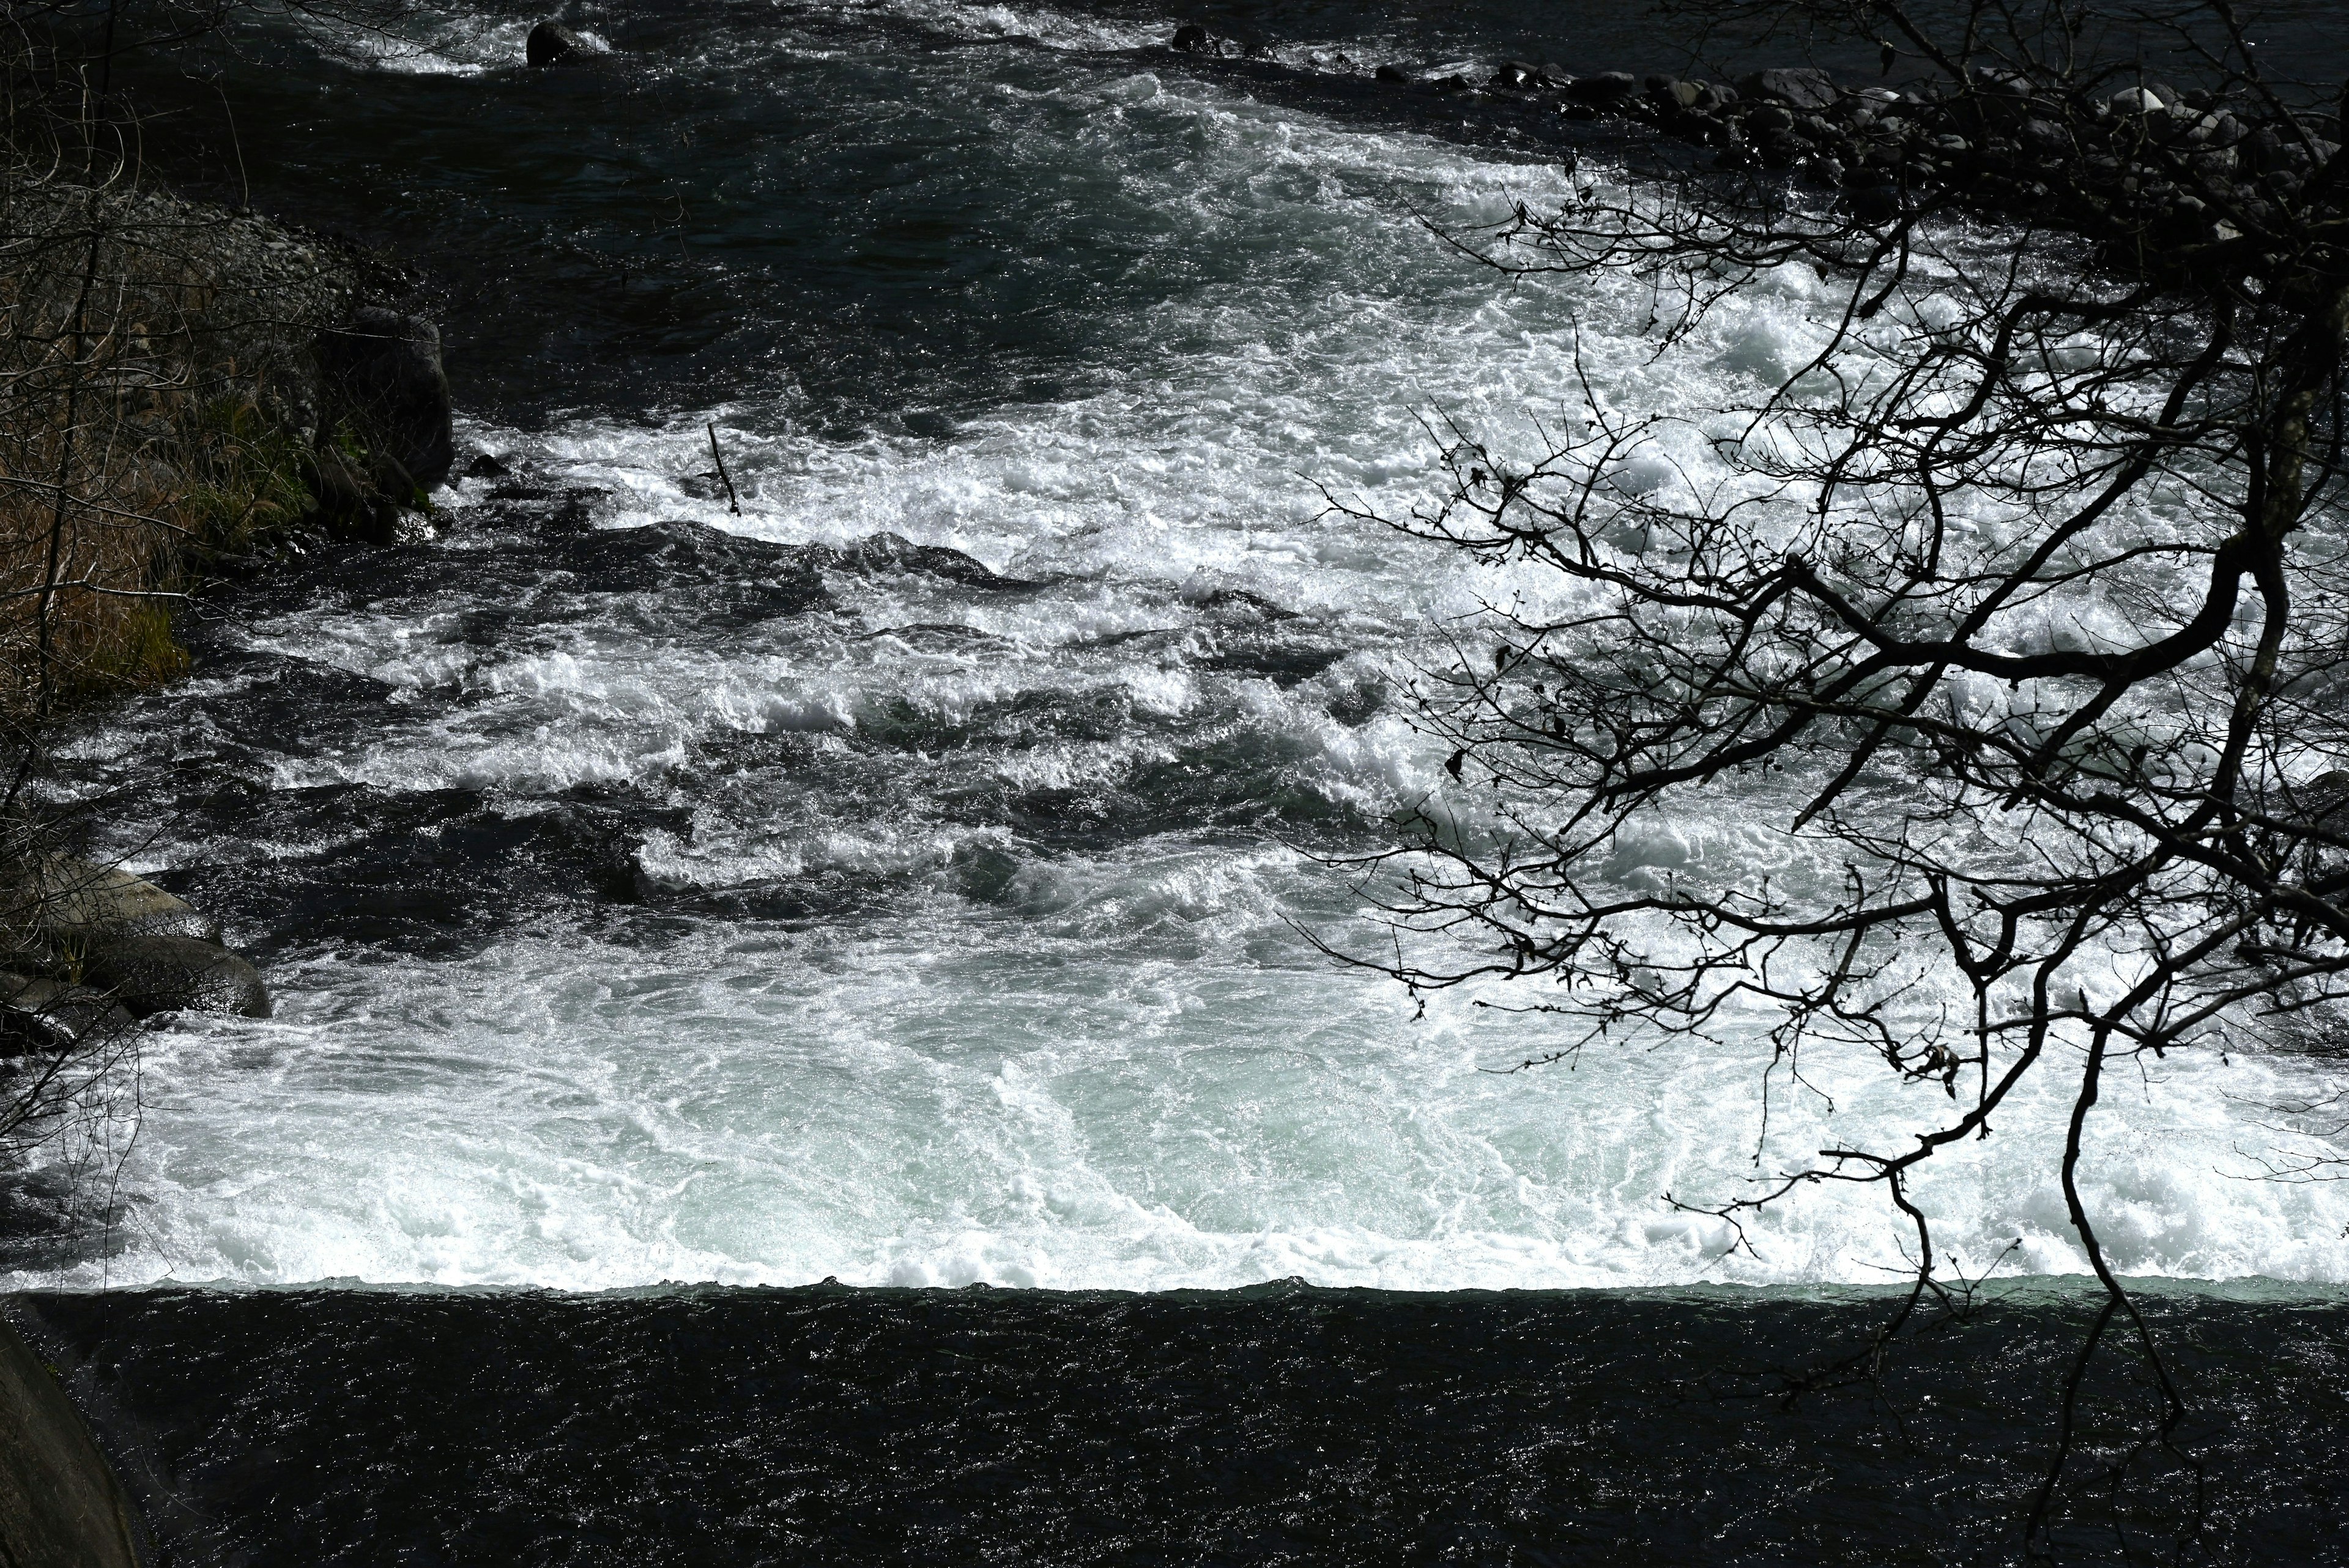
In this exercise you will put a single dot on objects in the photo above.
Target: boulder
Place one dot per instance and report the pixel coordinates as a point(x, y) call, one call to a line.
point(46, 1015)
point(551, 43)
point(73, 901)
point(2046, 139)
point(385, 388)
point(1672, 93)
point(1191, 38)
point(2137, 101)
point(60, 1504)
point(1394, 74)
point(348, 495)
point(1607, 86)
point(166, 974)
point(1799, 87)
point(1517, 76)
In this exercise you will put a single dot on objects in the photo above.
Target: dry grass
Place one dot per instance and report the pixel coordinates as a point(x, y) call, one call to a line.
point(134, 438)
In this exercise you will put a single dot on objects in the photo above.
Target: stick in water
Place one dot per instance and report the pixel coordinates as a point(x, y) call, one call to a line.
point(731, 504)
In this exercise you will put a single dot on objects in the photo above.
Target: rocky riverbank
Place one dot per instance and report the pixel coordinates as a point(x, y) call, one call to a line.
point(249, 383)
point(185, 390)
point(2143, 166)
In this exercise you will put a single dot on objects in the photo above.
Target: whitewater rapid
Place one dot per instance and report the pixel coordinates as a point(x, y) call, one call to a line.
point(982, 958)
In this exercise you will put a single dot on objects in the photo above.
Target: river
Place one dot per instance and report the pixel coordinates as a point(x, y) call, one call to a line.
point(650, 901)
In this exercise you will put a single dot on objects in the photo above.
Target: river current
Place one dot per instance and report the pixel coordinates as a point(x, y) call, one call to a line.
point(902, 880)
point(650, 901)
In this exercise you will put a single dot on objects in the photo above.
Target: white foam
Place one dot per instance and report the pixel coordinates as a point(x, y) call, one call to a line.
point(1127, 1069)
point(1119, 1094)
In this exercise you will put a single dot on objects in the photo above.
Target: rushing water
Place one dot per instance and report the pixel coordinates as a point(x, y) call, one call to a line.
point(649, 898)
point(656, 893)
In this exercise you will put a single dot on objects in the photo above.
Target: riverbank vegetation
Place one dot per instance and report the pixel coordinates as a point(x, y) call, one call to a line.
point(184, 387)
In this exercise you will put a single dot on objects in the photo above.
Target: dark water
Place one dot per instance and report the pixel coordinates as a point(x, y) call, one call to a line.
point(1279, 1426)
point(654, 893)
point(818, 200)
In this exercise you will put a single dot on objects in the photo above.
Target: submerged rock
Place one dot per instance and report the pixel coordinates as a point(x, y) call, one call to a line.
point(551, 43)
point(893, 553)
point(748, 578)
point(166, 974)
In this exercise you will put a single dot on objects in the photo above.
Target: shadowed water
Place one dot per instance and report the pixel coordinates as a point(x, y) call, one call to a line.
point(1280, 1425)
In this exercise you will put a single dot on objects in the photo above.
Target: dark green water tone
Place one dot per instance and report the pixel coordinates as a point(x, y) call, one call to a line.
point(897, 882)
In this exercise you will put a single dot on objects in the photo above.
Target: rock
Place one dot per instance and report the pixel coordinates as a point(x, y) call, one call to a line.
point(742, 580)
point(893, 553)
point(165, 974)
point(2046, 138)
point(60, 1504)
point(1770, 117)
point(1673, 93)
point(551, 43)
point(346, 494)
point(1824, 173)
point(1803, 87)
point(1699, 126)
point(2322, 803)
point(72, 900)
point(38, 1014)
point(486, 465)
point(2136, 102)
point(1517, 76)
point(1395, 74)
point(383, 379)
point(1608, 86)
point(1191, 38)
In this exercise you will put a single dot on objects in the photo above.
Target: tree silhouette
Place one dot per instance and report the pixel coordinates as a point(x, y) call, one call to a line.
point(2014, 614)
